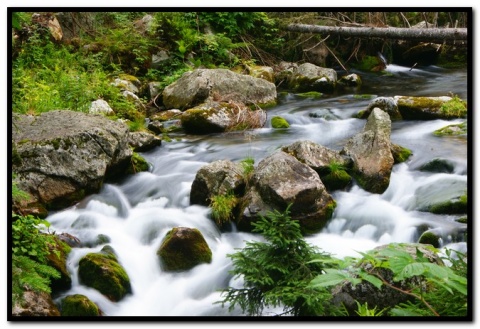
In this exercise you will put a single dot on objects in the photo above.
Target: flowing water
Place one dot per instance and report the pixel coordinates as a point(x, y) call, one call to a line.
point(137, 212)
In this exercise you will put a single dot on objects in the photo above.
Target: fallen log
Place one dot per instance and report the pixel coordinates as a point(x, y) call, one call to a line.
point(436, 35)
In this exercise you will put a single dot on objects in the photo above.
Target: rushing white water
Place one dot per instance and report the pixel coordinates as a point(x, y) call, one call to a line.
point(136, 213)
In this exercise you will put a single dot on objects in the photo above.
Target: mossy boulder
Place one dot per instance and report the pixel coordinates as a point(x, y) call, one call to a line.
point(79, 305)
point(430, 238)
point(216, 117)
point(429, 108)
point(442, 194)
point(438, 165)
point(103, 272)
point(182, 249)
point(309, 77)
point(278, 122)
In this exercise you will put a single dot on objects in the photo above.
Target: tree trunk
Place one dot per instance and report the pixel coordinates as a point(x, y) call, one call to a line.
point(437, 35)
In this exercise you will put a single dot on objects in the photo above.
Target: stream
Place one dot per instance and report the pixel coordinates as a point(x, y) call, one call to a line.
point(138, 211)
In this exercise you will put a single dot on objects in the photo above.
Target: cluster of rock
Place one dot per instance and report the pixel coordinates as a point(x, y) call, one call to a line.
point(295, 176)
point(59, 157)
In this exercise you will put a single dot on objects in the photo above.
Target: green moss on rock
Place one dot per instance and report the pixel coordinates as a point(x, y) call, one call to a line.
point(430, 238)
point(102, 272)
point(400, 154)
point(457, 206)
point(336, 180)
point(452, 130)
point(310, 94)
point(439, 166)
point(279, 122)
point(79, 305)
point(182, 249)
point(138, 164)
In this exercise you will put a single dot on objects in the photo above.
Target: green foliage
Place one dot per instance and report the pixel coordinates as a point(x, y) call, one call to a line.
point(222, 207)
point(30, 248)
point(248, 166)
point(434, 285)
point(18, 194)
point(277, 272)
point(28, 274)
point(455, 107)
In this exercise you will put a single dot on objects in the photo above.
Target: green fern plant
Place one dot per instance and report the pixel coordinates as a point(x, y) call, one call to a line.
point(277, 272)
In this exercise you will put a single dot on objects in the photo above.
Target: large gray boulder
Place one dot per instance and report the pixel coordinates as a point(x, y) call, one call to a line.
point(371, 153)
point(309, 77)
point(201, 85)
point(217, 178)
point(216, 117)
point(317, 157)
point(281, 180)
point(61, 156)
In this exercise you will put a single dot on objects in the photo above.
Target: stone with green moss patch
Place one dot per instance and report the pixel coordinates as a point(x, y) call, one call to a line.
point(138, 164)
point(182, 249)
point(429, 108)
point(336, 180)
point(452, 130)
point(430, 238)
point(102, 272)
point(79, 305)
point(310, 94)
point(454, 206)
point(439, 166)
point(400, 154)
point(279, 122)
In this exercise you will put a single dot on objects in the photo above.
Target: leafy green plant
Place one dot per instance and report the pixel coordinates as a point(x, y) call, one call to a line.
point(30, 248)
point(277, 272)
point(455, 107)
point(222, 206)
point(433, 286)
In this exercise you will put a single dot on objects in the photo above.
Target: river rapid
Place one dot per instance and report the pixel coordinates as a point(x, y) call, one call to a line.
point(138, 211)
